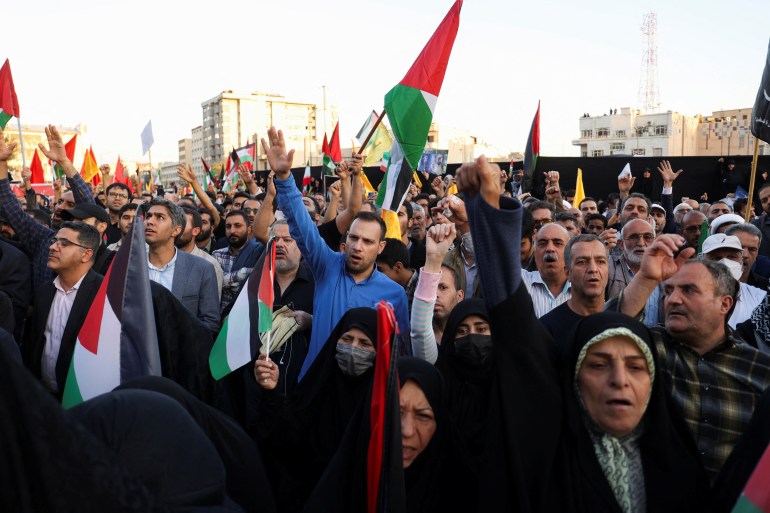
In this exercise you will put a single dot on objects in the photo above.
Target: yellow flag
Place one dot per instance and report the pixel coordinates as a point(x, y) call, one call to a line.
point(90, 169)
point(452, 189)
point(367, 184)
point(378, 145)
point(391, 222)
point(580, 194)
point(417, 181)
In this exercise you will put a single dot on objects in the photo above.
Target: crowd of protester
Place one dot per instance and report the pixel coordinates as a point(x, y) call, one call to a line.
point(607, 354)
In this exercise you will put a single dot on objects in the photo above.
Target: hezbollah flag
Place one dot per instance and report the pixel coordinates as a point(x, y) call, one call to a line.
point(9, 103)
point(756, 496)
point(380, 142)
point(118, 340)
point(410, 106)
point(233, 346)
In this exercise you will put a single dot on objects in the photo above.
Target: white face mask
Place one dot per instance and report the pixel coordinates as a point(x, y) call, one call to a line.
point(735, 268)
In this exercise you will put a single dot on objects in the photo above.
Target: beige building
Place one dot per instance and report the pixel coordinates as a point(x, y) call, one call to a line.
point(34, 134)
point(232, 120)
point(632, 132)
point(667, 134)
point(462, 145)
point(728, 132)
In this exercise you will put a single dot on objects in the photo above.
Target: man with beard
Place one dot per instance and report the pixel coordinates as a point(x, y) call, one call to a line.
point(118, 194)
point(548, 286)
point(238, 258)
point(33, 236)
point(343, 281)
point(189, 278)
point(586, 257)
point(635, 236)
point(691, 226)
point(419, 218)
point(204, 239)
point(186, 242)
point(293, 287)
point(416, 248)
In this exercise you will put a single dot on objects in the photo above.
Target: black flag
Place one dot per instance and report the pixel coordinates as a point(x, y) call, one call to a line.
point(760, 114)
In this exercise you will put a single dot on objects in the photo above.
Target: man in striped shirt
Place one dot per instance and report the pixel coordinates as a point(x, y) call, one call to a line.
point(548, 286)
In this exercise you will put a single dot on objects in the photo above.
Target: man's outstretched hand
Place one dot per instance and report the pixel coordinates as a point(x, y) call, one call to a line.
point(277, 157)
point(55, 150)
point(480, 177)
point(6, 150)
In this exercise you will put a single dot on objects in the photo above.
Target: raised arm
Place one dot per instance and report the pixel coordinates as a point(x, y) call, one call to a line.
point(496, 230)
point(301, 227)
point(186, 173)
point(667, 195)
point(437, 241)
point(265, 215)
point(56, 152)
point(356, 197)
point(659, 263)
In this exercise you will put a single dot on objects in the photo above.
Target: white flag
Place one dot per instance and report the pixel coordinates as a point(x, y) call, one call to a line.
point(147, 139)
point(626, 171)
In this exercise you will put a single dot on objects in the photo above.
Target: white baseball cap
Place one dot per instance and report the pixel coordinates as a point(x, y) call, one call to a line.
point(719, 241)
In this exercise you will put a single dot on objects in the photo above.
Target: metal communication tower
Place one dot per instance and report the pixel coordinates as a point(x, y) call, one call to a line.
point(649, 95)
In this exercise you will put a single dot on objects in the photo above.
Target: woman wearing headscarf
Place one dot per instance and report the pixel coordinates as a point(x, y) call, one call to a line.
point(431, 466)
point(127, 451)
point(299, 433)
point(624, 451)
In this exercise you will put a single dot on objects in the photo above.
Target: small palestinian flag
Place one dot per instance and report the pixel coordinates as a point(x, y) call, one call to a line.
point(9, 103)
point(233, 347)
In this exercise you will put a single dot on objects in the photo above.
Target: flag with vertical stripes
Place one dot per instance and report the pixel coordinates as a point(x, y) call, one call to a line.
point(756, 496)
point(233, 346)
point(118, 340)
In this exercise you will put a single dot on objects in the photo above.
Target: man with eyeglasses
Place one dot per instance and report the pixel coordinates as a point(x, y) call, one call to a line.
point(61, 305)
point(635, 236)
point(95, 216)
point(31, 234)
point(691, 227)
point(118, 194)
point(542, 213)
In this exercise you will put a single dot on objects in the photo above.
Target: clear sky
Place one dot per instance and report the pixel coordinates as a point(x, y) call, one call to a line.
point(114, 65)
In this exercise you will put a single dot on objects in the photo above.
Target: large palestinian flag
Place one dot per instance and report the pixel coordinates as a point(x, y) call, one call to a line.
point(118, 340)
point(756, 496)
point(9, 103)
point(410, 107)
point(532, 152)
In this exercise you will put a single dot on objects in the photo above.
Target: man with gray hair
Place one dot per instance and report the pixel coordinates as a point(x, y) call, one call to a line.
point(190, 278)
point(750, 237)
point(586, 259)
point(635, 236)
point(713, 378)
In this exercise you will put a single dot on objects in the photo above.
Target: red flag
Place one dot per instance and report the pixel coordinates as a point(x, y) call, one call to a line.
point(69, 148)
point(9, 103)
point(384, 416)
point(37, 170)
point(121, 176)
point(325, 146)
point(334, 145)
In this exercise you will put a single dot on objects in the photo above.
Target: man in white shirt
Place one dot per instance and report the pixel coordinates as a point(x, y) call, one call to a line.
point(61, 306)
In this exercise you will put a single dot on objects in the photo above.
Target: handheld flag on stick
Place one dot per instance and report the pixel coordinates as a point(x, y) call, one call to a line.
point(334, 145)
point(118, 340)
point(37, 170)
point(383, 462)
point(306, 178)
point(232, 348)
point(89, 169)
point(760, 114)
point(532, 152)
point(9, 103)
point(580, 193)
point(147, 138)
point(366, 128)
point(410, 105)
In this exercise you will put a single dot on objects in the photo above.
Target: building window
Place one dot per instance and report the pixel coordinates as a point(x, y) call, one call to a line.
point(657, 152)
point(584, 153)
point(587, 134)
point(620, 133)
point(640, 131)
point(597, 153)
point(638, 151)
point(603, 132)
point(661, 130)
point(618, 146)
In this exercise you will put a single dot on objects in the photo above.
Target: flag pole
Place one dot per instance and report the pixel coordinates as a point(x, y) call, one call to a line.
point(21, 143)
point(752, 181)
point(371, 132)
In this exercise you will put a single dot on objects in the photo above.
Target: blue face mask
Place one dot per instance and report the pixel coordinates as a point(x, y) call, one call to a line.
point(354, 361)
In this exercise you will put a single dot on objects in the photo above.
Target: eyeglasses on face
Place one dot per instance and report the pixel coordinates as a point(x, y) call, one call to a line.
point(64, 243)
point(113, 194)
point(636, 237)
